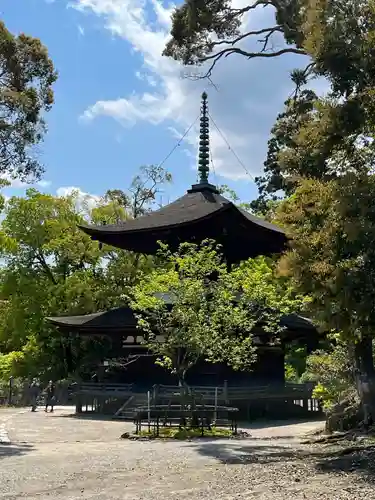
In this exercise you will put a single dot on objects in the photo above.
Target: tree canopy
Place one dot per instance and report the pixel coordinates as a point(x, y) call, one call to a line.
point(50, 268)
point(26, 79)
point(203, 311)
point(329, 158)
point(331, 33)
point(208, 31)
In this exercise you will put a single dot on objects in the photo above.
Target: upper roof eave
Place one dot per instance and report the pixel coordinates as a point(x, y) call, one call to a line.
point(121, 228)
point(92, 230)
point(261, 222)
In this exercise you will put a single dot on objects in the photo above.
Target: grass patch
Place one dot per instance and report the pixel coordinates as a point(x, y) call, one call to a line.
point(175, 433)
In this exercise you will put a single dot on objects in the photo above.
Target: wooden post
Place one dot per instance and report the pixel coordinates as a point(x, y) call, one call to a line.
point(225, 392)
point(305, 404)
point(148, 411)
point(154, 393)
point(215, 414)
point(78, 404)
point(10, 395)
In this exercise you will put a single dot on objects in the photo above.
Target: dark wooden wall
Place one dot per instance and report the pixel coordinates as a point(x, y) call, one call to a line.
point(144, 373)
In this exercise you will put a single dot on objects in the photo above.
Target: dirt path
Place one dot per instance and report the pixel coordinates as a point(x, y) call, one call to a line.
point(60, 457)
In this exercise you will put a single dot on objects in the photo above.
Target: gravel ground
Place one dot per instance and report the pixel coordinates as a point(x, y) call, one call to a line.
point(61, 457)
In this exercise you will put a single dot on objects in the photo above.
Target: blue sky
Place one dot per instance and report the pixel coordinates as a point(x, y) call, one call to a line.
point(119, 104)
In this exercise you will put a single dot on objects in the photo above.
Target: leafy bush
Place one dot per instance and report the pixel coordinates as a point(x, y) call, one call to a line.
point(291, 374)
point(185, 433)
point(18, 390)
point(331, 370)
point(10, 363)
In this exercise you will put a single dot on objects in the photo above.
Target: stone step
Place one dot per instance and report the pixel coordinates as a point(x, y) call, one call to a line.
point(140, 399)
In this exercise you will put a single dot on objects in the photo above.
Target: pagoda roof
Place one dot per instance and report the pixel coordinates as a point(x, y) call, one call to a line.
point(193, 206)
point(119, 318)
point(202, 213)
point(123, 319)
point(189, 217)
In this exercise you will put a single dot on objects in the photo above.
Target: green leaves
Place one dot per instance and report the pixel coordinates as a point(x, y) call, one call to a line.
point(27, 76)
point(331, 257)
point(50, 267)
point(203, 311)
point(207, 31)
point(48, 270)
point(332, 371)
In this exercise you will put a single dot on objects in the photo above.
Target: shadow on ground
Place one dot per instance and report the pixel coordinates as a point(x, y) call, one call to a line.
point(253, 425)
point(11, 450)
point(233, 452)
point(88, 416)
point(268, 423)
point(350, 460)
point(353, 462)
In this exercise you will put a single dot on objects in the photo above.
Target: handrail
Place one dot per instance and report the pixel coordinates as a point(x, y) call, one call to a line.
point(97, 386)
point(210, 392)
point(241, 392)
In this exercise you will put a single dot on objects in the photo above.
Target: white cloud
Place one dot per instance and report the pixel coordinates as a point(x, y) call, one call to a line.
point(84, 201)
point(44, 183)
point(150, 79)
point(250, 95)
point(81, 30)
point(18, 184)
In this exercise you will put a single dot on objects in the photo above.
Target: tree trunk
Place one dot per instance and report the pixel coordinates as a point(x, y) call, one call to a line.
point(181, 374)
point(365, 378)
point(183, 394)
point(183, 386)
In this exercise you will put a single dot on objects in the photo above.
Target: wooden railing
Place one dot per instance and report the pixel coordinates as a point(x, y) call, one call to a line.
point(239, 393)
point(288, 391)
point(207, 392)
point(103, 388)
point(165, 391)
point(123, 396)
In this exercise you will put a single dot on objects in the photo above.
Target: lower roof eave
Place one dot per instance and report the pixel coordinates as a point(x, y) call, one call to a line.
point(100, 332)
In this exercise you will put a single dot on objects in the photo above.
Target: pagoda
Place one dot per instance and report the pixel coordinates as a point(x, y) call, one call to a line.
point(202, 213)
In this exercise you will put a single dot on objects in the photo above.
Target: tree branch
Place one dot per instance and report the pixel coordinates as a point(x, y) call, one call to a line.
point(269, 32)
point(40, 258)
point(123, 362)
point(249, 55)
point(302, 80)
point(265, 3)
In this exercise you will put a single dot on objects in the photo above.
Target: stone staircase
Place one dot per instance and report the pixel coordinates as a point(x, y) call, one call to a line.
point(126, 411)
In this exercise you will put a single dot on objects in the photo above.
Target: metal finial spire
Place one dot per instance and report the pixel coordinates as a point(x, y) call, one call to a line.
point(204, 153)
point(204, 143)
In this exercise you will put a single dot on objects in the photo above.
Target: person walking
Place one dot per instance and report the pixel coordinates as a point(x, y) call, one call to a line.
point(50, 395)
point(34, 394)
